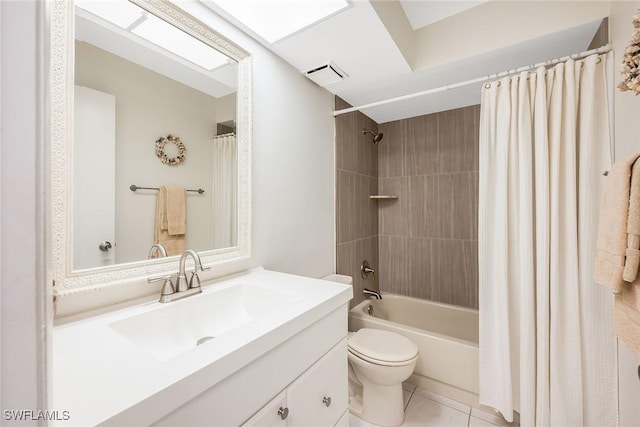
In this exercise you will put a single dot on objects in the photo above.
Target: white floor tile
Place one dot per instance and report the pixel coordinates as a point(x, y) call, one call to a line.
point(406, 395)
point(358, 422)
point(408, 386)
point(477, 422)
point(444, 400)
point(426, 412)
point(493, 417)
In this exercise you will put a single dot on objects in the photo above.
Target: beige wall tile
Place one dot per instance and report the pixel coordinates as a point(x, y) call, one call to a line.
point(458, 133)
point(393, 264)
point(470, 258)
point(366, 150)
point(350, 256)
point(364, 218)
point(345, 264)
point(374, 190)
point(448, 273)
point(421, 146)
point(341, 104)
point(391, 149)
point(367, 249)
point(356, 214)
point(423, 206)
point(421, 267)
point(456, 274)
point(393, 215)
point(346, 141)
point(458, 205)
point(423, 244)
point(345, 190)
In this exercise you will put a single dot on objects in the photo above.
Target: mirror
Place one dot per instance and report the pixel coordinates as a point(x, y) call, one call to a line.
point(151, 137)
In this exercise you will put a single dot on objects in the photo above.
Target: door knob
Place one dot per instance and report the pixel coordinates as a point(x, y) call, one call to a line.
point(105, 246)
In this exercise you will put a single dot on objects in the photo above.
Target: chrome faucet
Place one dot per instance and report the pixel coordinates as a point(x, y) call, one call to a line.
point(182, 288)
point(370, 293)
point(157, 247)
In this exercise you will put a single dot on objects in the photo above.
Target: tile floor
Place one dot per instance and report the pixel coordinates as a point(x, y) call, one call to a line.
point(423, 408)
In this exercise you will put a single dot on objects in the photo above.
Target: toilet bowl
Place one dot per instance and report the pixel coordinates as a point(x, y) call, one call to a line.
point(380, 361)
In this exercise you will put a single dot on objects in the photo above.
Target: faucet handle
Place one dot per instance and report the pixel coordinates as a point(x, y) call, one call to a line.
point(365, 269)
point(167, 287)
point(194, 282)
point(159, 278)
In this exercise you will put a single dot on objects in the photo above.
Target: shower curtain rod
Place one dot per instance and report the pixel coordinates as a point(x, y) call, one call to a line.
point(603, 49)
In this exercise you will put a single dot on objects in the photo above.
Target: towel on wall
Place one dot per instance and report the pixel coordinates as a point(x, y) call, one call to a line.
point(632, 254)
point(175, 205)
point(171, 213)
point(612, 225)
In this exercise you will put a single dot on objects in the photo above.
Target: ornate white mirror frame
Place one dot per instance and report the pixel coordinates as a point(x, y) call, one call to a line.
point(66, 280)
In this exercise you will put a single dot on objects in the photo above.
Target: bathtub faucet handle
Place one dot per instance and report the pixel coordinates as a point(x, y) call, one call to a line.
point(365, 269)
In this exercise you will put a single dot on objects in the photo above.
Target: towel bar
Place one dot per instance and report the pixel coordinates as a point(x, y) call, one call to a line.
point(135, 188)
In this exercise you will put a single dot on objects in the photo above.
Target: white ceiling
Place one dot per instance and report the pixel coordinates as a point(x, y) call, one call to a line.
point(360, 44)
point(423, 13)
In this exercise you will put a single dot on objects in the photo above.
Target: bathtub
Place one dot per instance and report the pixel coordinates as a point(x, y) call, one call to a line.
point(446, 335)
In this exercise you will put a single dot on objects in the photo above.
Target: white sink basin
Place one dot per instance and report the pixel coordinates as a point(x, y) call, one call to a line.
point(180, 326)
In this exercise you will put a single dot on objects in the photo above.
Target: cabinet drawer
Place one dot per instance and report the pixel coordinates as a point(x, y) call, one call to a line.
point(320, 395)
point(271, 414)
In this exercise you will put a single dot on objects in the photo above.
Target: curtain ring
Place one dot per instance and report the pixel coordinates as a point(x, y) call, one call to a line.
point(498, 83)
point(599, 60)
point(487, 86)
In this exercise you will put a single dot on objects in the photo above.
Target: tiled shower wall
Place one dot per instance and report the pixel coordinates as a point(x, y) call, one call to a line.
point(428, 236)
point(424, 243)
point(357, 215)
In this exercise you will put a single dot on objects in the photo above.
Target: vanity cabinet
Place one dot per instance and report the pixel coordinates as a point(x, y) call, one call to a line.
point(318, 397)
point(297, 375)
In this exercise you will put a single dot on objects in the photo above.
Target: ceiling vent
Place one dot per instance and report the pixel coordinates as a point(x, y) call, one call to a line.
point(326, 74)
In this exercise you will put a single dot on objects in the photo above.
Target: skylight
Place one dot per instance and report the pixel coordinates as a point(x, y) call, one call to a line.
point(137, 21)
point(275, 19)
point(121, 13)
point(177, 41)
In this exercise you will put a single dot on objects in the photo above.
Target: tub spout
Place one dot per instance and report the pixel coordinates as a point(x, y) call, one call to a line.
point(370, 293)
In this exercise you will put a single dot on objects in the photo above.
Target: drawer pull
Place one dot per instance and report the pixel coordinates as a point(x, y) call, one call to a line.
point(283, 412)
point(326, 401)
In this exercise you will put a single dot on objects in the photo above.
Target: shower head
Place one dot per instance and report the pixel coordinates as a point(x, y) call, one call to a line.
point(377, 137)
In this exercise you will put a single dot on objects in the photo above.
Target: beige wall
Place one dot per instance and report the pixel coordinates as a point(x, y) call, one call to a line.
point(496, 24)
point(148, 106)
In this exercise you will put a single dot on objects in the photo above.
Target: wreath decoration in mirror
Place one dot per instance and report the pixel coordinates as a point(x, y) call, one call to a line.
point(164, 158)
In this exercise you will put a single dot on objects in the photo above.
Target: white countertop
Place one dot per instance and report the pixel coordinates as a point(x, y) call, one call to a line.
point(98, 373)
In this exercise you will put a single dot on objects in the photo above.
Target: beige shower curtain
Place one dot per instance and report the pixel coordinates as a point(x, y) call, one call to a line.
point(225, 191)
point(546, 347)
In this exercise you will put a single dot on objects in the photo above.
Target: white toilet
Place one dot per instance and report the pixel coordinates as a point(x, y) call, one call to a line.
point(381, 361)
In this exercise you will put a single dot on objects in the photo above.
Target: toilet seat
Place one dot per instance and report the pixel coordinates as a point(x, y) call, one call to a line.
point(382, 347)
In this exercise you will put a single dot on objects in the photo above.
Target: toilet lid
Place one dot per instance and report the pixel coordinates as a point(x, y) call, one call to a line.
point(383, 346)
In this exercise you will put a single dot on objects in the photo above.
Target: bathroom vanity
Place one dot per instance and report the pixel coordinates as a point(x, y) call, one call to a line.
point(257, 348)
point(260, 348)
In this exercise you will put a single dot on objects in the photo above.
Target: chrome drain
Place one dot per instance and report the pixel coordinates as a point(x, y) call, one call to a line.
point(203, 340)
